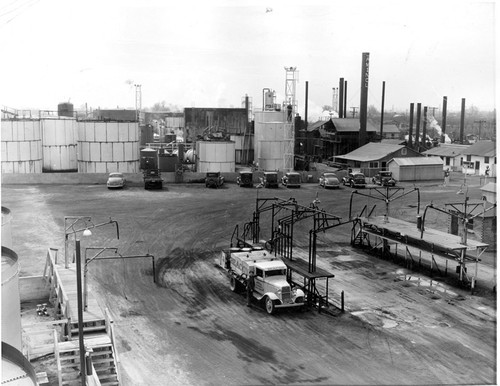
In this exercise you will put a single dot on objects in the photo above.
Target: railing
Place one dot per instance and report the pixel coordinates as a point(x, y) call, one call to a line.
point(111, 333)
point(58, 359)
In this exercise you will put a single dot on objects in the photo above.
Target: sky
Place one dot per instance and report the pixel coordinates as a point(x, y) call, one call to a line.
point(213, 53)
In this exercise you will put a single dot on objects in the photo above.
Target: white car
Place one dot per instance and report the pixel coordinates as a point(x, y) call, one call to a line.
point(116, 180)
point(329, 180)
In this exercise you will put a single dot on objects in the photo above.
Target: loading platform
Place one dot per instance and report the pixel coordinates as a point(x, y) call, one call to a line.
point(379, 232)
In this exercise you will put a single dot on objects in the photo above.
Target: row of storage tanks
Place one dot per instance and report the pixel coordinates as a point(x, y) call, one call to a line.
point(16, 369)
point(67, 145)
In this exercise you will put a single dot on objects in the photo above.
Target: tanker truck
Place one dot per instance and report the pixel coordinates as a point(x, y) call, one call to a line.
point(268, 273)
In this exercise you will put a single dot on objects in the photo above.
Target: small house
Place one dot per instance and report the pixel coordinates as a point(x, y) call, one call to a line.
point(480, 159)
point(451, 154)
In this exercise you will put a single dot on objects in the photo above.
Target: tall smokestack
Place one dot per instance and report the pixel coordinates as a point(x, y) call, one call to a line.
point(462, 122)
point(382, 111)
point(424, 128)
point(345, 100)
point(341, 97)
point(410, 131)
point(306, 103)
point(363, 103)
point(443, 123)
point(417, 128)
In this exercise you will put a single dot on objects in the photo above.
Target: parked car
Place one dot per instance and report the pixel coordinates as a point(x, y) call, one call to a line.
point(384, 179)
point(329, 180)
point(214, 180)
point(245, 178)
point(116, 180)
point(291, 180)
point(354, 180)
point(270, 180)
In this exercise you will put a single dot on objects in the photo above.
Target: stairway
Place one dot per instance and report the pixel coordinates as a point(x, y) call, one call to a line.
point(102, 358)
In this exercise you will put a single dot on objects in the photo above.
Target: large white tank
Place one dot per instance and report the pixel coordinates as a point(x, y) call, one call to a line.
point(6, 228)
point(59, 144)
point(11, 300)
point(270, 139)
point(21, 146)
point(105, 147)
point(214, 156)
point(16, 369)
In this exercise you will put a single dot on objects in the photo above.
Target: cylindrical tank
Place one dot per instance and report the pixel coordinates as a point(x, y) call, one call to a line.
point(21, 146)
point(11, 300)
point(146, 134)
point(16, 369)
point(149, 158)
point(65, 109)
point(105, 147)
point(214, 156)
point(270, 139)
point(59, 145)
point(189, 156)
point(167, 162)
point(6, 228)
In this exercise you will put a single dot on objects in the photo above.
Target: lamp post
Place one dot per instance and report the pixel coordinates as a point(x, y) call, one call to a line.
point(80, 312)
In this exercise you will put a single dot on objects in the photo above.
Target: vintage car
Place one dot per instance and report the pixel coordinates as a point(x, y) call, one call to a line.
point(270, 180)
point(245, 178)
point(152, 179)
point(214, 180)
point(354, 180)
point(329, 180)
point(116, 180)
point(291, 180)
point(384, 178)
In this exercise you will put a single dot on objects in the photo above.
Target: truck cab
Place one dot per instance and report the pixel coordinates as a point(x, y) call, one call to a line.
point(270, 180)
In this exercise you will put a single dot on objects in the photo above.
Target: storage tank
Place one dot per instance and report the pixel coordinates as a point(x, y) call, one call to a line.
point(21, 146)
point(167, 162)
point(6, 228)
point(149, 158)
point(11, 300)
point(215, 156)
point(105, 147)
point(65, 109)
point(59, 145)
point(16, 369)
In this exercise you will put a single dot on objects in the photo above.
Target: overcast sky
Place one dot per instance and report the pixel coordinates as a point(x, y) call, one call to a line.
point(210, 54)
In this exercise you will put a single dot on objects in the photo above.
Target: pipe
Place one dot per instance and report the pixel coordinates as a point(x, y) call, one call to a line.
point(417, 128)
point(345, 99)
point(341, 97)
point(443, 120)
point(410, 130)
point(382, 111)
point(462, 122)
point(424, 128)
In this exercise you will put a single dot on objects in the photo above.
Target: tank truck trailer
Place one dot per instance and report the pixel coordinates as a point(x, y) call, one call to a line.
point(268, 272)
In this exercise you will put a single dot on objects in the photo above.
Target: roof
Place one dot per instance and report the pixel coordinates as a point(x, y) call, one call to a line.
point(482, 148)
point(316, 125)
point(393, 141)
point(389, 128)
point(447, 150)
point(417, 161)
point(372, 151)
point(351, 124)
point(490, 187)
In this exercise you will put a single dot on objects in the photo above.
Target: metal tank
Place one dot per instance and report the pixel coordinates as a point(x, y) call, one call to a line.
point(16, 369)
point(6, 228)
point(11, 300)
point(270, 141)
point(59, 145)
point(65, 109)
point(105, 147)
point(214, 156)
point(21, 146)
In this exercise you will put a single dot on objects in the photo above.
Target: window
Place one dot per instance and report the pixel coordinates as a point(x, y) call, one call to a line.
point(469, 157)
point(486, 160)
point(404, 151)
point(258, 272)
point(383, 164)
point(374, 165)
point(447, 161)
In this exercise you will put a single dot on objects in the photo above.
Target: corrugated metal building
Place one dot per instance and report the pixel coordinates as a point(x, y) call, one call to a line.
point(416, 168)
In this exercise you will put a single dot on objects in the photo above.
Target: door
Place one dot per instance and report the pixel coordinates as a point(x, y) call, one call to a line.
point(476, 167)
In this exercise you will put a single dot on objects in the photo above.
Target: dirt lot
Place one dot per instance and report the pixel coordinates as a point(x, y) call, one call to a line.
point(190, 329)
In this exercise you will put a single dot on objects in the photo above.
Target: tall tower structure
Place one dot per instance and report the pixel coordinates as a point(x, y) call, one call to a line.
point(291, 109)
point(138, 102)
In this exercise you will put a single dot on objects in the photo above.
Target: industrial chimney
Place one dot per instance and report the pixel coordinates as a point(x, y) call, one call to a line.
point(363, 104)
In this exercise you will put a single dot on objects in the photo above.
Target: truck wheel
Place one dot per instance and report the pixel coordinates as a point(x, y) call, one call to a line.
point(234, 285)
point(270, 305)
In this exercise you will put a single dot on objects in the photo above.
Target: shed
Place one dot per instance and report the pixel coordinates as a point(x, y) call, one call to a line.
point(489, 192)
point(416, 168)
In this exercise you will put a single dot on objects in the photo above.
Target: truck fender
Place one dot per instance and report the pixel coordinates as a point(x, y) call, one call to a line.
point(270, 295)
point(300, 293)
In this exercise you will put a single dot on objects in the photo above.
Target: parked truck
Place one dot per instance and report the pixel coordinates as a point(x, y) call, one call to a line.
point(265, 273)
point(152, 179)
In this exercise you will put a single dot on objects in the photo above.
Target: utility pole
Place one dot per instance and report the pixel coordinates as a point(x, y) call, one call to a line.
point(433, 109)
point(353, 111)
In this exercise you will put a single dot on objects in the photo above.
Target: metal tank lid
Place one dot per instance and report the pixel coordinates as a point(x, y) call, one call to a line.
point(16, 369)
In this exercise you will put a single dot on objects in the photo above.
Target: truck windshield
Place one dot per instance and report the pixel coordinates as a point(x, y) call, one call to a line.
point(276, 272)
